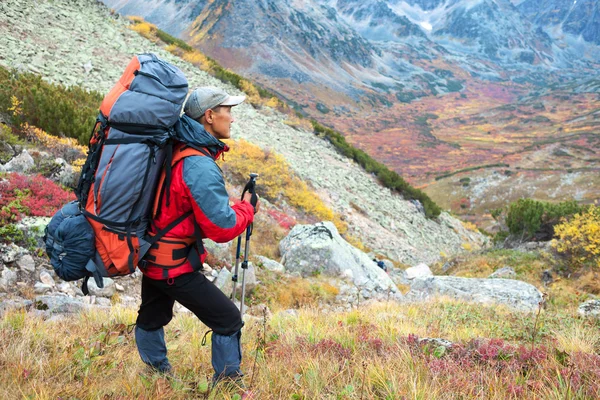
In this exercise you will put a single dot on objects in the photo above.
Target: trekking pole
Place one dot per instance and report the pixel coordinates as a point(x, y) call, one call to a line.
point(250, 187)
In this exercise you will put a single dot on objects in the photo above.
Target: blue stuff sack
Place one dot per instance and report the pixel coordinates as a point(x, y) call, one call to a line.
point(70, 243)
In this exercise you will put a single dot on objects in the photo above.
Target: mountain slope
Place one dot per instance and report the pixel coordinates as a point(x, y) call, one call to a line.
point(382, 220)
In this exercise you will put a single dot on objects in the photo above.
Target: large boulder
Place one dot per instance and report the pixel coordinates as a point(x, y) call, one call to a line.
point(515, 294)
point(21, 163)
point(319, 248)
point(59, 303)
point(418, 271)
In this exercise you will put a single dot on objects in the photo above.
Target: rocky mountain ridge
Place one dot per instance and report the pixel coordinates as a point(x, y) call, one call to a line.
point(40, 38)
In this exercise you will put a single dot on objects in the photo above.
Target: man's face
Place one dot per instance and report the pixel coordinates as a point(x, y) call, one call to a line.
point(221, 122)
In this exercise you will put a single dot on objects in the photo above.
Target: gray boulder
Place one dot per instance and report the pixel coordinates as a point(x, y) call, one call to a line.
point(8, 279)
point(108, 290)
point(59, 304)
point(9, 253)
point(41, 288)
point(21, 163)
point(14, 304)
point(319, 248)
point(418, 271)
point(26, 263)
point(504, 272)
point(590, 308)
point(515, 294)
point(33, 228)
point(64, 174)
point(46, 278)
point(399, 276)
point(269, 264)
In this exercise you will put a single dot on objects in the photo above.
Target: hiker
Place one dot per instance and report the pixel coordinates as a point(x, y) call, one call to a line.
point(380, 264)
point(196, 185)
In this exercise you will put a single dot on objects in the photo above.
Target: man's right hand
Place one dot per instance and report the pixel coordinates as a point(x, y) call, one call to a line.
point(248, 198)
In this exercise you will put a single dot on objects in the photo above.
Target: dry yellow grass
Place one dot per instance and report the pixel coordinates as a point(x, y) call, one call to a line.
point(366, 353)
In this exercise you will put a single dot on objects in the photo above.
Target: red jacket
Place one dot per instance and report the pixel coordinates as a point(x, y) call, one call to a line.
point(197, 184)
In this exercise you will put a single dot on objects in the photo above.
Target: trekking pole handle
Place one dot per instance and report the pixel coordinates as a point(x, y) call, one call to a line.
point(251, 187)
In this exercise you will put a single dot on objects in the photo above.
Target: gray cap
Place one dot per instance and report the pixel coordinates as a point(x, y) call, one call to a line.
point(207, 97)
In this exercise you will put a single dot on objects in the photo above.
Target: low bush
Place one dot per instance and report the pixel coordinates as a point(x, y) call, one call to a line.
point(56, 109)
point(535, 220)
point(578, 238)
point(22, 195)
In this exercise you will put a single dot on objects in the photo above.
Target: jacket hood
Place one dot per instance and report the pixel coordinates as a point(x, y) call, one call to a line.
point(193, 134)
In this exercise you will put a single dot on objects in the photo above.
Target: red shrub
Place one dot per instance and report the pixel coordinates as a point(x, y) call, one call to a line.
point(24, 195)
point(284, 220)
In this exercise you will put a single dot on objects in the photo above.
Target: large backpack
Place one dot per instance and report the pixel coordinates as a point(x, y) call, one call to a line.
point(130, 143)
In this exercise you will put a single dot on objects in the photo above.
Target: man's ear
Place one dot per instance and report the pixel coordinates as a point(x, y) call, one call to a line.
point(208, 116)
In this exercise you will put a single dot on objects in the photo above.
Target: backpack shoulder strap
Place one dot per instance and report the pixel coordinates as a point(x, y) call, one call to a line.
point(180, 152)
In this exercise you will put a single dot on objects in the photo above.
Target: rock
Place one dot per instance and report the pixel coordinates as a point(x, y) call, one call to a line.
point(223, 281)
point(315, 249)
point(34, 227)
point(108, 290)
point(21, 163)
point(87, 67)
point(388, 265)
point(249, 278)
point(436, 342)
point(418, 271)
point(180, 309)
point(41, 288)
point(269, 264)
point(9, 253)
point(219, 251)
point(64, 174)
point(8, 279)
point(260, 310)
point(14, 304)
point(6, 151)
point(119, 288)
point(399, 276)
point(590, 309)
point(515, 294)
point(103, 301)
point(59, 303)
point(128, 301)
point(547, 277)
point(137, 274)
point(66, 288)
point(504, 272)
point(290, 312)
point(26, 263)
point(47, 279)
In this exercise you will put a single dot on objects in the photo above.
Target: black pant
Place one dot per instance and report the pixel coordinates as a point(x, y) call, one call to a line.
point(194, 292)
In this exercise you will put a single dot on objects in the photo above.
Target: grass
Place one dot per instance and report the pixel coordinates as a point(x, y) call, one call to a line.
point(372, 352)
